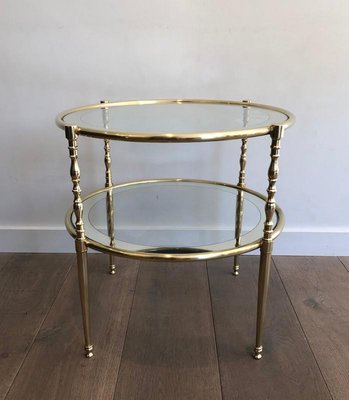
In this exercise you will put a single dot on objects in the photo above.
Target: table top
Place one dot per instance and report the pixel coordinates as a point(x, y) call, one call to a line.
point(174, 219)
point(175, 120)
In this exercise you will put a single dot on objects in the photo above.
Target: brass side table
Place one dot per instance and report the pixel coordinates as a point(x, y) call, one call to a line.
point(175, 219)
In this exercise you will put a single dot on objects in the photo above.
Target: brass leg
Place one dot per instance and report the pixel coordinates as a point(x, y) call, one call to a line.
point(263, 285)
point(111, 231)
point(267, 245)
point(108, 183)
point(238, 228)
point(241, 183)
point(80, 244)
point(83, 284)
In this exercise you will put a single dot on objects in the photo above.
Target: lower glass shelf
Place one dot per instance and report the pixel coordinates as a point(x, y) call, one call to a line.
point(174, 219)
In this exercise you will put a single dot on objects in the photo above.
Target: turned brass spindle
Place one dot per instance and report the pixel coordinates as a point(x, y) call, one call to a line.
point(267, 245)
point(109, 183)
point(80, 244)
point(241, 183)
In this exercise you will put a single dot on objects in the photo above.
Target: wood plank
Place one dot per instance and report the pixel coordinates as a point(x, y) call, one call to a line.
point(56, 367)
point(288, 369)
point(345, 262)
point(318, 288)
point(4, 259)
point(29, 285)
point(170, 348)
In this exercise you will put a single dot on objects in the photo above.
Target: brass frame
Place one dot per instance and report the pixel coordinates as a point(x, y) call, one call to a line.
point(270, 231)
point(109, 184)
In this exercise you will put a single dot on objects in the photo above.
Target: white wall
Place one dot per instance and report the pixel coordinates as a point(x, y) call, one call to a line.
point(57, 55)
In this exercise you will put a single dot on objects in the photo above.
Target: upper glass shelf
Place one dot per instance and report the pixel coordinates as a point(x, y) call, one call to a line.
point(174, 219)
point(175, 120)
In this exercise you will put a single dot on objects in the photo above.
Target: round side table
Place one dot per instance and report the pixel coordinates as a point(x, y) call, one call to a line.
point(175, 219)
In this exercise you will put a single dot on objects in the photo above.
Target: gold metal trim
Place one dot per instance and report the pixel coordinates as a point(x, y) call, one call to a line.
point(174, 137)
point(177, 257)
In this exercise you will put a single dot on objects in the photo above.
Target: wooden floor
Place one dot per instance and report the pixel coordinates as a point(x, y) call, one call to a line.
point(173, 330)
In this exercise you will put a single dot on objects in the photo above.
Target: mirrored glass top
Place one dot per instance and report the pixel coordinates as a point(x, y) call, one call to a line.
point(174, 217)
point(174, 117)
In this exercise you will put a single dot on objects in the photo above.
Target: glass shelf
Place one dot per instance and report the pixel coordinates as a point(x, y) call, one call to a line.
point(174, 219)
point(175, 120)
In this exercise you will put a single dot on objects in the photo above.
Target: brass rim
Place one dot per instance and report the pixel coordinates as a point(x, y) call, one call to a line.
point(173, 256)
point(174, 137)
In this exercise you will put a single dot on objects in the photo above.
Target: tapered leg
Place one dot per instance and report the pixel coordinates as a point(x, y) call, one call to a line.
point(267, 244)
point(263, 285)
point(80, 243)
point(85, 308)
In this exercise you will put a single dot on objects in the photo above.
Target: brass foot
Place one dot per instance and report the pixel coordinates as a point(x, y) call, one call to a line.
point(236, 270)
point(257, 354)
point(112, 270)
point(88, 351)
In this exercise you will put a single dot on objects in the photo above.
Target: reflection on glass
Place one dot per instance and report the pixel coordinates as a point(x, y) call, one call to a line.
point(238, 217)
point(175, 117)
point(110, 216)
point(175, 215)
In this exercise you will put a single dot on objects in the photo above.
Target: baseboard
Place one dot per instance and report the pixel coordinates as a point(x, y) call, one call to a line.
point(312, 244)
point(57, 240)
point(36, 240)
